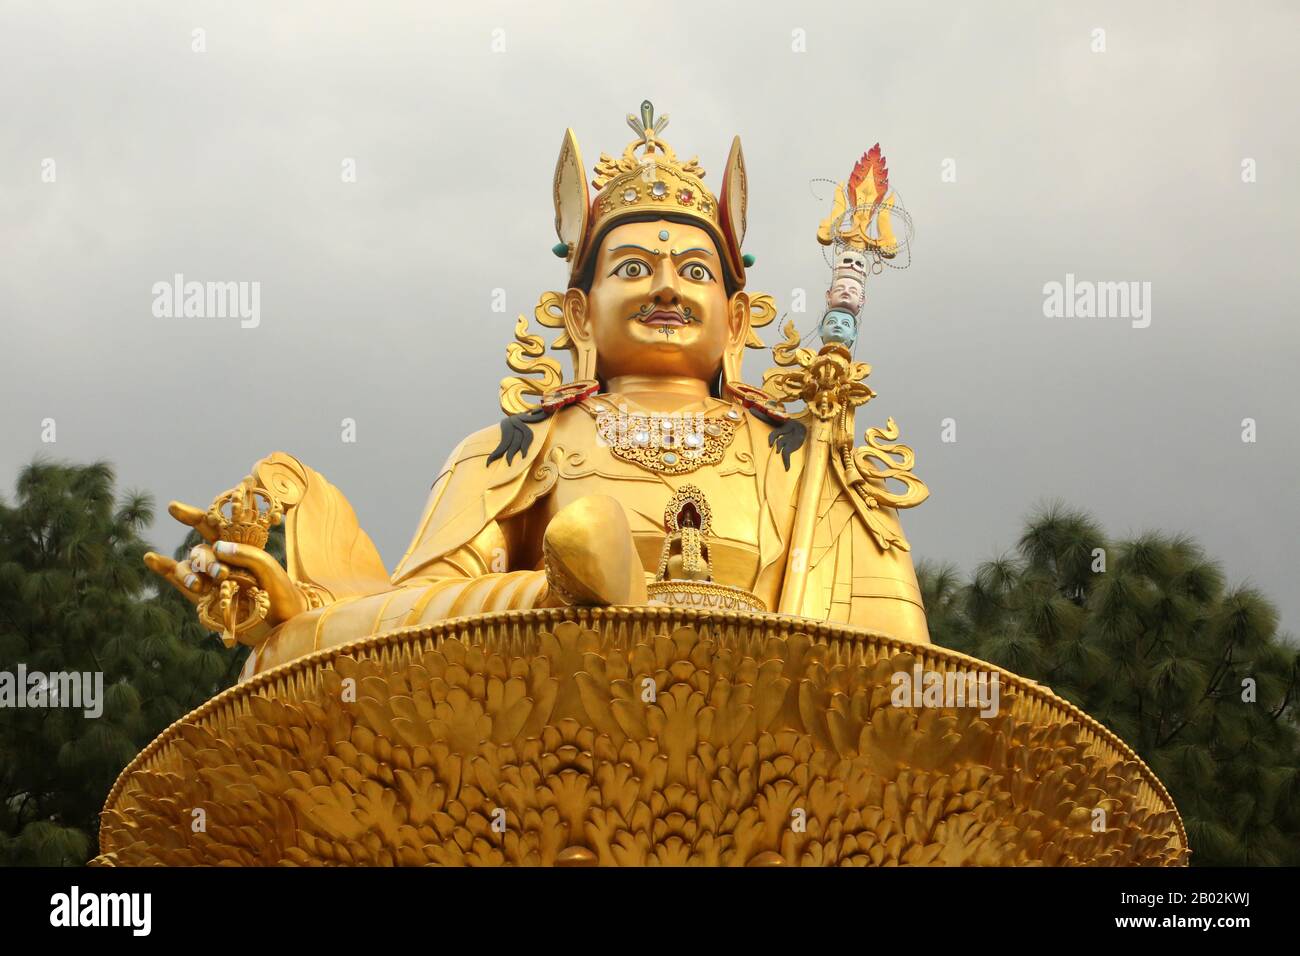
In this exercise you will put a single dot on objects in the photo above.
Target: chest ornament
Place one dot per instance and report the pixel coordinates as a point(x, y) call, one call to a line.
point(668, 444)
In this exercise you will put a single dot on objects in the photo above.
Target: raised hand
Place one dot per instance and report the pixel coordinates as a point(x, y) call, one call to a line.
point(210, 563)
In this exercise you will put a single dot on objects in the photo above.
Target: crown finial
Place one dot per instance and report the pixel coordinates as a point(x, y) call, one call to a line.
point(647, 128)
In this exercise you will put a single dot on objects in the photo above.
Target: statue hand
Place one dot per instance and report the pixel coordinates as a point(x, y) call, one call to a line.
point(211, 563)
point(591, 558)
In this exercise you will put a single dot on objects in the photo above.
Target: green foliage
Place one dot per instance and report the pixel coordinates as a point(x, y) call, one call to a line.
point(75, 596)
point(1145, 636)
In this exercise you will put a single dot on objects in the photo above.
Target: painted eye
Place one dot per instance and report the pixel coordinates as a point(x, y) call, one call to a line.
point(632, 269)
point(696, 272)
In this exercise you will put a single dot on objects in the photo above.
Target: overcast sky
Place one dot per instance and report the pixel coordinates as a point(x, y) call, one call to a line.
point(226, 164)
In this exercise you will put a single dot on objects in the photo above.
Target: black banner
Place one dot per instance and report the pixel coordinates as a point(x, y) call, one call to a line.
point(643, 908)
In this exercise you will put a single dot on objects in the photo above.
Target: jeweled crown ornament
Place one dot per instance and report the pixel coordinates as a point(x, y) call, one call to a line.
point(647, 179)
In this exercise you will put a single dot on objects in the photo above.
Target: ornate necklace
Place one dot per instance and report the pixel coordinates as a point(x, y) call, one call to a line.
point(666, 443)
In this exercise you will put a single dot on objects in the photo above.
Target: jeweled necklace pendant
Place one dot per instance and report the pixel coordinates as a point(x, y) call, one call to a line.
point(669, 444)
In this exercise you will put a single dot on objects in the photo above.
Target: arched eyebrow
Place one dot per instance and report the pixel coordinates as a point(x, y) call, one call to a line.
point(649, 253)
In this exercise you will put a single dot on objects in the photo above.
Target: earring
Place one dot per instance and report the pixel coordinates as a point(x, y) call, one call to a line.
point(731, 363)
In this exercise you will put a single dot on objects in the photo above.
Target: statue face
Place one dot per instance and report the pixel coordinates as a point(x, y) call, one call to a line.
point(845, 293)
point(839, 327)
point(658, 306)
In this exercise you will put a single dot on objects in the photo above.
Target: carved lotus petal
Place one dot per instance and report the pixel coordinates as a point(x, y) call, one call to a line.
point(546, 723)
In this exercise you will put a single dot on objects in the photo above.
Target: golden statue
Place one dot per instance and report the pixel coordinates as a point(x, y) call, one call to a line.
point(650, 616)
point(562, 504)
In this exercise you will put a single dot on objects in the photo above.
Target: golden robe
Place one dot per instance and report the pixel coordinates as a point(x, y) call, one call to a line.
point(477, 548)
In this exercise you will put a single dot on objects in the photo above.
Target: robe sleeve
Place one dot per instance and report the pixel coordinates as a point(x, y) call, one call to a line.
point(458, 533)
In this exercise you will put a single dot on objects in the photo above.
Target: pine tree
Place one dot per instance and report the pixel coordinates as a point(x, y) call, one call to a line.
point(1145, 636)
point(75, 596)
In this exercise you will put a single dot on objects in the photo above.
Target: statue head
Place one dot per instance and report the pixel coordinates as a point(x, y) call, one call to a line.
point(839, 326)
point(847, 292)
point(848, 289)
point(656, 273)
point(656, 302)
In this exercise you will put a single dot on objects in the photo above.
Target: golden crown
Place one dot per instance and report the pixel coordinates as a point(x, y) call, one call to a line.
point(647, 178)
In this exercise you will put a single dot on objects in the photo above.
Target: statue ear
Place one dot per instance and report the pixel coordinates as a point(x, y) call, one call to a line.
point(738, 333)
point(577, 323)
point(576, 320)
point(738, 318)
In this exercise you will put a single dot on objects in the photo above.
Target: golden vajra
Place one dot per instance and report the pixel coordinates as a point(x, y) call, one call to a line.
point(245, 514)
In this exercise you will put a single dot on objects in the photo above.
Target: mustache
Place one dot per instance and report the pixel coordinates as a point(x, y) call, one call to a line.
point(686, 313)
